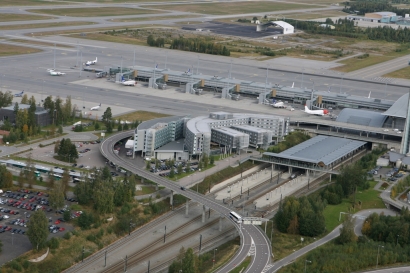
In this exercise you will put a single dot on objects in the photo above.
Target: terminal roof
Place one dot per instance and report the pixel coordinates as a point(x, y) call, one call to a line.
point(361, 117)
point(174, 146)
point(399, 108)
point(324, 149)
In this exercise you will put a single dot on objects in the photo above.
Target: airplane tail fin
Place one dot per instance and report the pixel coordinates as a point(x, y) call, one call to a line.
point(369, 94)
point(293, 84)
point(306, 108)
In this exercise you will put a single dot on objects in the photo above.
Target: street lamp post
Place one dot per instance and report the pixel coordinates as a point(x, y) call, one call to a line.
point(214, 258)
point(377, 259)
point(307, 261)
point(12, 238)
point(397, 240)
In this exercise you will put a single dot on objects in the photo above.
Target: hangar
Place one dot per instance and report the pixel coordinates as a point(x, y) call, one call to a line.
point(286, 27)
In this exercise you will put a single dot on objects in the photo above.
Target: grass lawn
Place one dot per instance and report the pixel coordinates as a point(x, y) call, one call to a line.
point(140, 116)
point(28, 3)
point(38, 43)
point(234, 7)
point(355, 63)
point(8, 17)
point(241, 268)
point(403, 73)
point(97, 12)
point(44, 25)
point(153, 18)
point(315, 15)
point(145, 190)
point(9, 50)
point(370, 200)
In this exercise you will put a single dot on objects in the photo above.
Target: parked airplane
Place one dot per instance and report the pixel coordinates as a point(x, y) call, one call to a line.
point(19, 94)
point(316, 112)
point(189, 71)
point(55, 73)
point(91, 62)
point(95, 107)
point(278, 104)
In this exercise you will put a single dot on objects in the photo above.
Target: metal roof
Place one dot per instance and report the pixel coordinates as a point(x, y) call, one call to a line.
point(174, 146)
point(361, 117)
point(150, 123)
point(399, 108)
point(282, 24)
point(324, 149)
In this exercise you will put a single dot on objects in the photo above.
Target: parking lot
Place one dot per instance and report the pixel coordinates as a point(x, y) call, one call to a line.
point(164, 167)
point(15, 212)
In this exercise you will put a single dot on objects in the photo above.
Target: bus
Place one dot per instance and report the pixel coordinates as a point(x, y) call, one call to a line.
point(234, 216)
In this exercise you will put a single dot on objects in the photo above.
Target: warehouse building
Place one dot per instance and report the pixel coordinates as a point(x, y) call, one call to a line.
point(42, 115)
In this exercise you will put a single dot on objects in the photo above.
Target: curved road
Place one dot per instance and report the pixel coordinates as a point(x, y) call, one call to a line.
point(252, 238)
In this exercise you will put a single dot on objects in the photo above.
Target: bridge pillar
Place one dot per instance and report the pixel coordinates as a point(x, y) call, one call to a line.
point(171, 198)
point(297, 124)
point(367, 133)
point(307, 174)
point(360, 133)
point(220, 223)
point(203, 213)
point(330, 178)
point(317, 127)
point(290, 170)
point(186, 208)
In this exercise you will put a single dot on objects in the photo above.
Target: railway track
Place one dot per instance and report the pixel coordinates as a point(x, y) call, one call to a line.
point(143, 254)
point(120, 243)
point(205, 244)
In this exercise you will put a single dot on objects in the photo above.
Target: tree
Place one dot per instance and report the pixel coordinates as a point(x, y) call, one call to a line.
point(107, 116)
point(56, 195)
point(24, 99)
point(188, 262)
point(64, 181)
point(212, 160)
point(16, 108)
point(37, 229)
point(20, 179)
point(179, 168)
point(172, 173)
point(147, 165)
point(51, 181)
point(6, 178)
point(347, 234)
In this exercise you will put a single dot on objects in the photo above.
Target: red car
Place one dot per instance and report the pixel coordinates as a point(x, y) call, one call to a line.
point(40, 193)
point(7, 228)
point(57, 222)
point(61, 229)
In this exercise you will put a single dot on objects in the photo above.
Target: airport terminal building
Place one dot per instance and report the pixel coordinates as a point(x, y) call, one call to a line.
point(181, 137)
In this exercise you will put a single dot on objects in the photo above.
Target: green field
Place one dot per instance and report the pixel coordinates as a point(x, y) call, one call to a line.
point(28, 3)
point(370, 200)
point(403, 73)
point(153, 18)
point(9, 50)
point(8, 17)
point(235, 8)
point(140, 116)
point(94, 12)
point(44, 25)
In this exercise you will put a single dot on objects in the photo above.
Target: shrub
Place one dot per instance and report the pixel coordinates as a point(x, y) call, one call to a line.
point(67, 236)
point(54, 243)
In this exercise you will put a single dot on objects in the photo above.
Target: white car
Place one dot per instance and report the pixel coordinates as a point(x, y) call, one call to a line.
point(6, 216)
point(386, 130)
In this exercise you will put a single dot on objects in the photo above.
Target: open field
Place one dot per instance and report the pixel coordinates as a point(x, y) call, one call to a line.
point(44, 25)
point(232, 8)
point(29, 3)
point(316, 15)
point(370, 200)
point(9, 50)
point(403, 73)
point(140, 116)
point(88, 31)
point(8, 17)
point(91, 12)
point(32, 42)
point(153, 18)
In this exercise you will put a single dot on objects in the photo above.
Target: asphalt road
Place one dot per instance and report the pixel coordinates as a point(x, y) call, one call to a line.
point(251, 237)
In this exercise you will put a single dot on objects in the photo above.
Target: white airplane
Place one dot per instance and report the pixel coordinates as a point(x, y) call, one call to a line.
point(95, 107)
point(316, 112)
point(91, 62)
point(278, 104)
point(55, 73)
point(128, 83)
point(19, 94)
point(189, 71)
